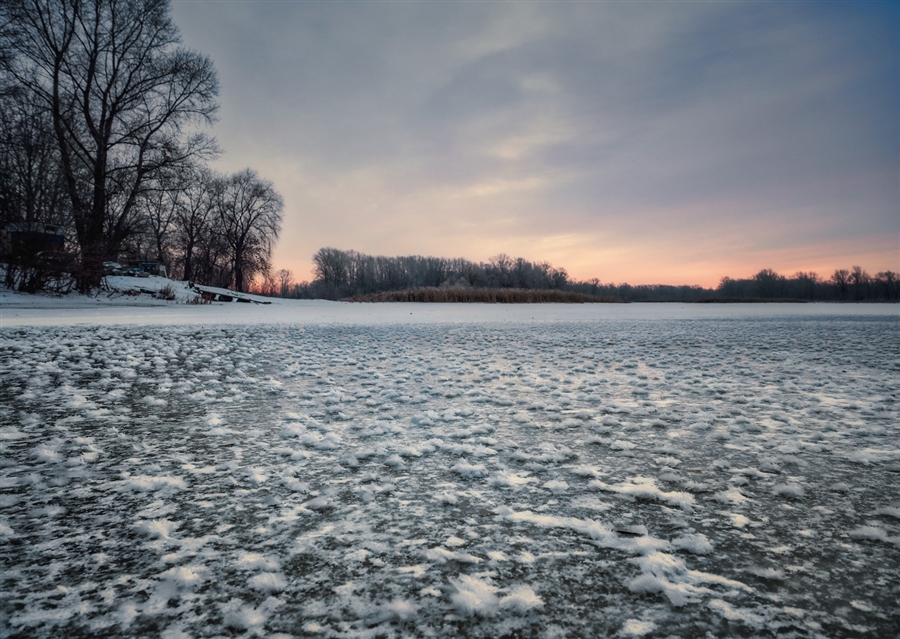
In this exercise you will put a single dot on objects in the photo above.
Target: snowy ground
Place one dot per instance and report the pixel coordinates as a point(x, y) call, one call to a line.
point(357, 471)
point(117, 291)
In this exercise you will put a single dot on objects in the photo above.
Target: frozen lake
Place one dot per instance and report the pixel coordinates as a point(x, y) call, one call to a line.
point(322, 469)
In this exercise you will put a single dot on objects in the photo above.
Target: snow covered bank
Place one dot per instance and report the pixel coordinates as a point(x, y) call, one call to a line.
point(120, 296)
point(31, 310)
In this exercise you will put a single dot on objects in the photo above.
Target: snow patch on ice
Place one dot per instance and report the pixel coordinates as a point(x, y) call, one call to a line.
point(464, 468)
point(638, 628)
point(243, 617)
point(477, 597)
point(268, 582)
point(871, 533)
point(185, 576)
point(256, 561)
point(788, 490)
point(509, 479)
point(148, 483)
point(399, 610)
point(521, 599)
point(160, 528)
point(667, 574)
point(696, 543)
point(733, 613)
point(646, 488)
point(474, 596)
point(890, 511)
point(557, 486)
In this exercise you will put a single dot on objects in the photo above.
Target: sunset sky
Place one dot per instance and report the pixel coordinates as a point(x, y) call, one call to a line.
point(640, 142)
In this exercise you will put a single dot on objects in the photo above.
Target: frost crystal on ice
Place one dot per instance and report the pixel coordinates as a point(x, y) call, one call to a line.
point(628, 471)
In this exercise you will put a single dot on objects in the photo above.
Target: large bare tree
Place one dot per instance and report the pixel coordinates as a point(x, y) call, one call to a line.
point(123, 98)
point(249, 211)
point(196, 200)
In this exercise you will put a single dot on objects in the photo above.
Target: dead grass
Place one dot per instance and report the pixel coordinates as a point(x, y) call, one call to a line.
point(167, 293)
point(481, 296)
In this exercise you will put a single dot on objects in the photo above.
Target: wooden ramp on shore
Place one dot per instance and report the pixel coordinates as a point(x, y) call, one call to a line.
point(216, 294)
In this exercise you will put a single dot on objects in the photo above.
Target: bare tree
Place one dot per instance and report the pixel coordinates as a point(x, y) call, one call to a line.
point(840, 279)
point(558, 278)
point(502, 266)
point(121, 93)
point(160, 207)
point(522, 273)
point(264, 283)
point(285, 281)
point(887, 281)
point(32, 193)
point(249, 216)
point(806, 284)
point(769, 284)
point(31, 188)
point(543, 273)
point(860, 281)
point(210, 262)
point(332, 268)
point(196, 197)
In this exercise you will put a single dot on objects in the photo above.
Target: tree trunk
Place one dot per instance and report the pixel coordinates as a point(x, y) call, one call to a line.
point(188, 258)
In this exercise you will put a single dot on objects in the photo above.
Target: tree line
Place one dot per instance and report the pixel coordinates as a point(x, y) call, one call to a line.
point(341, 274)
point(844, 285)
point(101, 135)
point(854, 284)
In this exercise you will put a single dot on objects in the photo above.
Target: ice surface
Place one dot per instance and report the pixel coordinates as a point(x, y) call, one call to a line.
point(462, 471)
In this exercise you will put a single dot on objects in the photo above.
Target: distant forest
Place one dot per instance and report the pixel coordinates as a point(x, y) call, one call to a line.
point(351, 274)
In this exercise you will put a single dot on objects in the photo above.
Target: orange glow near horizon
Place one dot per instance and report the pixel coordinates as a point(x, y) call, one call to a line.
point(635, 269)
point(698, 243)
point(689, 246)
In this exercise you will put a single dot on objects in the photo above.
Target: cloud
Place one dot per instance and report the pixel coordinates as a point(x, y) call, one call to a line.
point(684, 137)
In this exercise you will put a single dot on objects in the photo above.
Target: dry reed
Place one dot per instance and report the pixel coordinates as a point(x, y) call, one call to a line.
point(481, 296)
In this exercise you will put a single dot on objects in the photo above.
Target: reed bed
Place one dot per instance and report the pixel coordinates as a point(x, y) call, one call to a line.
point(481, 296)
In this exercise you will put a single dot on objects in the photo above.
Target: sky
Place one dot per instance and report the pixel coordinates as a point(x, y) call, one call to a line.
point(639, 142)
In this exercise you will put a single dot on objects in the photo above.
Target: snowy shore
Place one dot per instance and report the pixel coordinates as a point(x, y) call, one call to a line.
point(111, 307)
